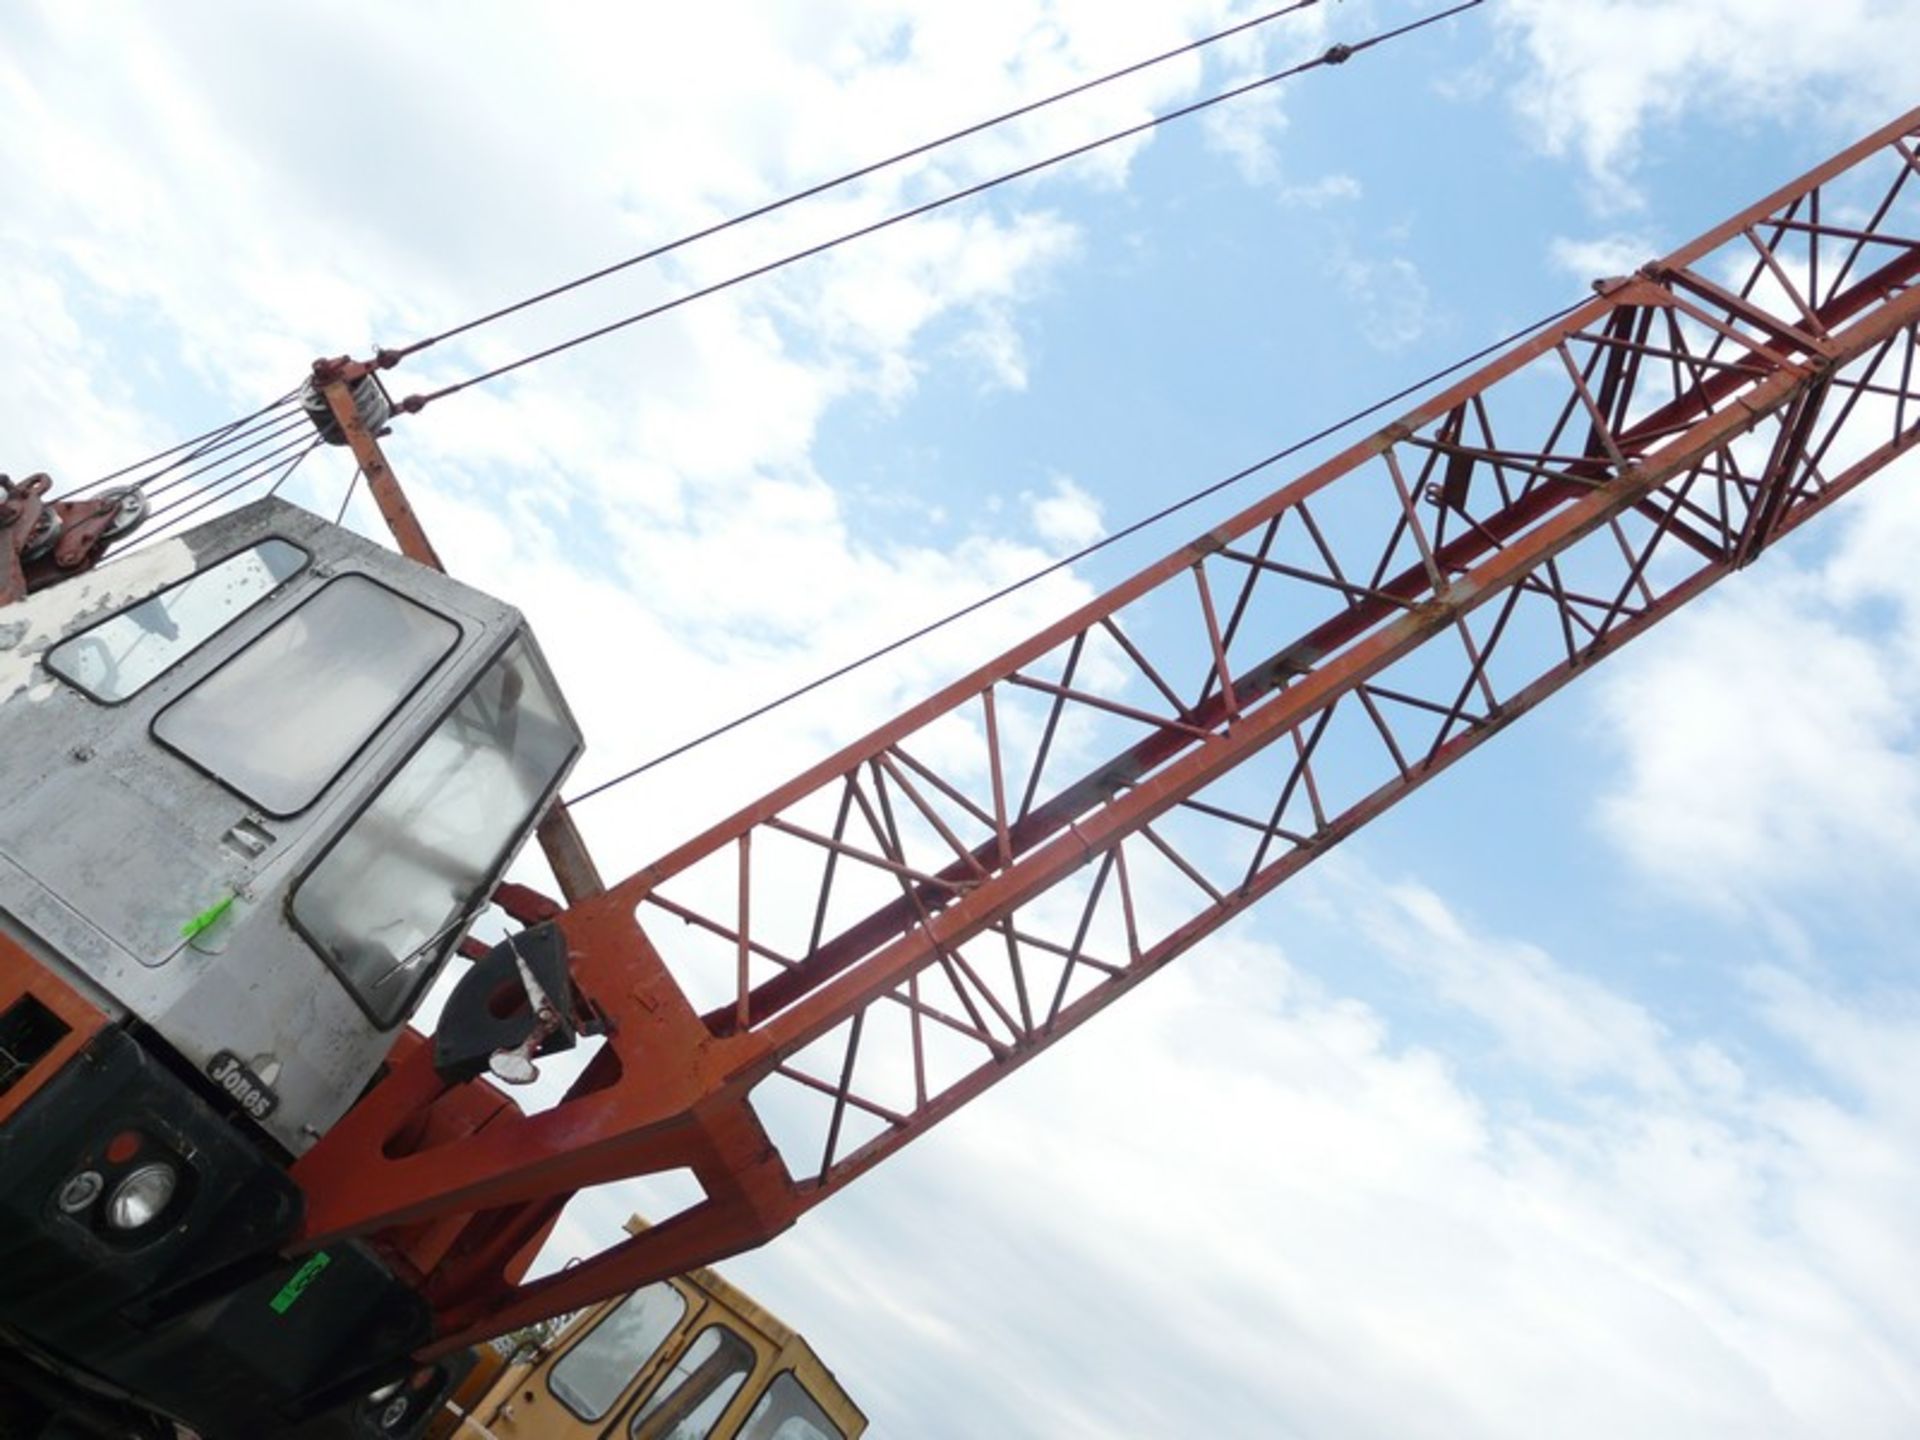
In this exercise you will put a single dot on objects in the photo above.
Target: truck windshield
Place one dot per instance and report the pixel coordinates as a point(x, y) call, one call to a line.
point(394, 892)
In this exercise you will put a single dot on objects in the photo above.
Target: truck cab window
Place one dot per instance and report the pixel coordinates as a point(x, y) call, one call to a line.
point(391, 896)
point(592, 1375)
point(788, 1412)
point(697, 1391)
point(282, 718)
point(117, 658)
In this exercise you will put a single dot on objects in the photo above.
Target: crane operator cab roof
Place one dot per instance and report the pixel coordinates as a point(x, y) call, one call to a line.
point(259, 779)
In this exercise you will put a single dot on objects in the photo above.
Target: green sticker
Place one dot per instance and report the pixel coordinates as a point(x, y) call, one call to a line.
point(206, 918)
point(296, 1287)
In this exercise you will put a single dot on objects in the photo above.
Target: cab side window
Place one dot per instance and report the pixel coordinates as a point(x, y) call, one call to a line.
point(788, 1412)
point(117, 658)
point(592, 1375)
point(696, 1392)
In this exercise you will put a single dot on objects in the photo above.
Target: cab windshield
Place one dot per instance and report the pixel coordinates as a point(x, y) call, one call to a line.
point(396, 890)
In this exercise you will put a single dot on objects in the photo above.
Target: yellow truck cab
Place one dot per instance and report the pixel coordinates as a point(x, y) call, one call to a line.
point(690, 1358)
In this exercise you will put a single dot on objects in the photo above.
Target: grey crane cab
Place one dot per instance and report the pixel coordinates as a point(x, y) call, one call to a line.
point(259, 779)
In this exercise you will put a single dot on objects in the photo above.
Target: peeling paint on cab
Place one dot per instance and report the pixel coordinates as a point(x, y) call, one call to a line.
point(32, 626)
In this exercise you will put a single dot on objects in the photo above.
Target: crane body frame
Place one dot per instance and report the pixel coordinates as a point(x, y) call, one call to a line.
point(792, 996)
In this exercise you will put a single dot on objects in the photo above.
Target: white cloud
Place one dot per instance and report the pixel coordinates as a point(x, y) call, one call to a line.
point(1768, 734)
point(1394, 304)
point(1244, 1203)
point(1568, 1027)
point(1327, 190)
point(1599, 73)
point(1248, 133)
point(1602, 257)
point(1066, 517)
point(1248, 128)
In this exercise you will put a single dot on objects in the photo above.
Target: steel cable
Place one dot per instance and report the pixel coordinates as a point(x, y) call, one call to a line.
point(1055, 566)
point(200, 446)
point(347, 499)
point(256, 473)
point(221, 441)
point(240, 477)
point(1336, 55)
point(839, 181)
point(278, 431)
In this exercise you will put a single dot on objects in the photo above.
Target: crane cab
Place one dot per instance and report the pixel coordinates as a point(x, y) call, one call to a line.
point(691, 1358)
point(259, 779)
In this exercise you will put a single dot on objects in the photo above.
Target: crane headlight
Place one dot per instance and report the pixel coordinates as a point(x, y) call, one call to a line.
point(139, 1199)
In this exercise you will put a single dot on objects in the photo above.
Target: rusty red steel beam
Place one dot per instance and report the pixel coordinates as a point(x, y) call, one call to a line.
point(575, 1286)
point(1336, 632)
point(559, 838)
point(335, 379)
point(803, 1022)
point(676, 1088)
point(1206, 923)
point(786, 988)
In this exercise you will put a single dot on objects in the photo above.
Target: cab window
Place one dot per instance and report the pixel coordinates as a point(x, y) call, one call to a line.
point(281, 719)
point(119, 657)
point(388, 900)
point(696, 1392)
point(591, 1376)
point(788, 1412)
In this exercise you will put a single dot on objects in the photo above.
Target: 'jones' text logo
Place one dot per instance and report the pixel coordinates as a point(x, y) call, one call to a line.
point(226, 1071)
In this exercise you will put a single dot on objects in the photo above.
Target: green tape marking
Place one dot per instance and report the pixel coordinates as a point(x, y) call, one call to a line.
point(297, 1286)
point(205, 919)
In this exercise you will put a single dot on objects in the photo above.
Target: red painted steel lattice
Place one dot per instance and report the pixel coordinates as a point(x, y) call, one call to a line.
point(885, 937)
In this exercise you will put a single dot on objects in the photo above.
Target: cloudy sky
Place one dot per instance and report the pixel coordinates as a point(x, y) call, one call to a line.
point(1576, 1098)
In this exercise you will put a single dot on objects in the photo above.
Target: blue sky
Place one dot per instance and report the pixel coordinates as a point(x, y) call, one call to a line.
point(1574, 1097)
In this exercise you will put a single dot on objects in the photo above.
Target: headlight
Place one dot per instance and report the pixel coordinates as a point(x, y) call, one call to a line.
point(140, 1197)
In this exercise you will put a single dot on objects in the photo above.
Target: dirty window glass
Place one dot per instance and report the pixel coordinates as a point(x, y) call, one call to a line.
point(283, 717)
point(590, 1377)
point(117, 658)
point(788, 1412)
point(697, 1391)
point(385, 903)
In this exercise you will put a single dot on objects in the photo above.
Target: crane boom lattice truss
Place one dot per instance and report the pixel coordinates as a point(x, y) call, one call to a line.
point(903, 925)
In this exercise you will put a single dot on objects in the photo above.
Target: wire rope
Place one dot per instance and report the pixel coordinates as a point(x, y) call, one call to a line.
point(271, 434)
point(347, 499)
point(199, 445)
point(1338, 54)
point(860, 173)
point(222, 441)
point(227, 483)
point(1054, 567)
point(256, 473)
